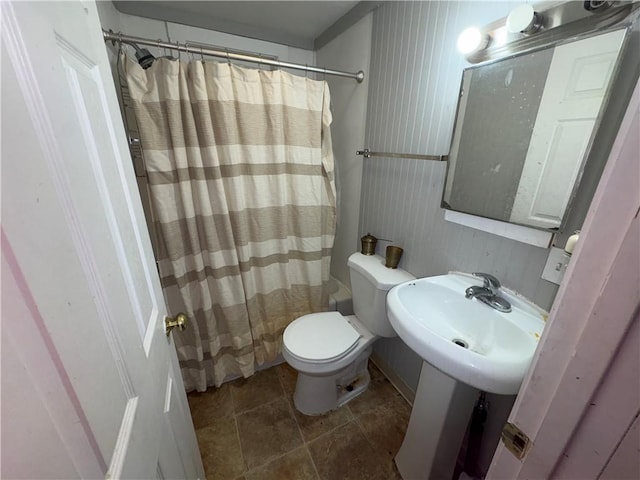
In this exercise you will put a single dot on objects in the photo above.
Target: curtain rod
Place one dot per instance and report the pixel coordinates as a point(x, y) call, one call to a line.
point(438, 158)
point(212, 52)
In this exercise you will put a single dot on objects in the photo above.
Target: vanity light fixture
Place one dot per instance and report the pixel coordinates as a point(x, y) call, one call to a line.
point(524, 19)
point(472, 40)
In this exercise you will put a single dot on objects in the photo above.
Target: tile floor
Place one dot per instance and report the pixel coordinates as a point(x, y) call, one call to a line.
point(250, 430)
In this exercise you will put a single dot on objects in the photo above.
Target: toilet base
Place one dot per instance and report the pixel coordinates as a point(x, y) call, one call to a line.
point(317, 395)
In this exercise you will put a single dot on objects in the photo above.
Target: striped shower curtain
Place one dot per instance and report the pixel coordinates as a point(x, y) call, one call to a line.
point(241, 178)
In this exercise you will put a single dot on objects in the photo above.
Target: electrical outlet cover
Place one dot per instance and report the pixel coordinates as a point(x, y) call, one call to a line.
point(556, 265)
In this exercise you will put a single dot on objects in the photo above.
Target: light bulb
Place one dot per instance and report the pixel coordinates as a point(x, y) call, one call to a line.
point(523, 19)
point(472, 40)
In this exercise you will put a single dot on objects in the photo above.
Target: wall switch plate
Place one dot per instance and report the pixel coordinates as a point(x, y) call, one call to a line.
point(556, 265)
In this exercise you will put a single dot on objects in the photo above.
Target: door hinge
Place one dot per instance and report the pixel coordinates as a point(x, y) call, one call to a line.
point(515, 440)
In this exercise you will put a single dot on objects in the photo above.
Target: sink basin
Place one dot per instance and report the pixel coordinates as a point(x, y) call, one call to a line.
point(464, 338)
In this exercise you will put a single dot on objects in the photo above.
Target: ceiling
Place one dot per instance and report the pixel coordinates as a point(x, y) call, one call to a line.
point(294, 23)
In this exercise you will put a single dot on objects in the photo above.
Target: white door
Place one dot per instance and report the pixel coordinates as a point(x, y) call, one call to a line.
point(90, 382)
point(578, 80)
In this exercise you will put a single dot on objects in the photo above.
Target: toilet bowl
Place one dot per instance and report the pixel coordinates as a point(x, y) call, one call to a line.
point(331, 351)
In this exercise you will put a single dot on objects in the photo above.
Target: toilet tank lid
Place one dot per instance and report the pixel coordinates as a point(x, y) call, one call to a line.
point(372, 267)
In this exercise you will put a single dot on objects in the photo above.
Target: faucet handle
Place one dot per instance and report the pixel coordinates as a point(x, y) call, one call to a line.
point(489, 280)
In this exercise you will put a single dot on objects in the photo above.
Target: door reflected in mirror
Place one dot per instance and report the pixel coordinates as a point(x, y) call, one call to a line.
point(524, 127)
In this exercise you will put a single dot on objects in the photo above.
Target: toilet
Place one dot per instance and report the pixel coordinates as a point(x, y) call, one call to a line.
point(330, 351)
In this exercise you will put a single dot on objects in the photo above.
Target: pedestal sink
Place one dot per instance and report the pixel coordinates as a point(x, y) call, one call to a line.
point(467, 346)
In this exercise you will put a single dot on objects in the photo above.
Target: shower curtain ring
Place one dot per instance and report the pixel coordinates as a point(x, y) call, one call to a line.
point(228, 58)
point(324, 74)
point(201, 54)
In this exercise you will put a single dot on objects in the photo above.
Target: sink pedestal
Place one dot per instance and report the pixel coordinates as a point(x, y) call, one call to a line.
point(439, 418)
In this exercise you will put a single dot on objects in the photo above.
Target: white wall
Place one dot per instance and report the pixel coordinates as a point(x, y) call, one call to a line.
point(349, 51)
point(157, 29)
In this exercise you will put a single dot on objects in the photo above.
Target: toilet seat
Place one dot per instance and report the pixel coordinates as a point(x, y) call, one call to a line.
point(320, 337)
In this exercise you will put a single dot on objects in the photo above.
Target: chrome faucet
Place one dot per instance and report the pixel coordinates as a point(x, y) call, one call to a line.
point(489, 293)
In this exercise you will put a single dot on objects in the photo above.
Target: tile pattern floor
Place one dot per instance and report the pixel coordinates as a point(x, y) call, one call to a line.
point(249, 429)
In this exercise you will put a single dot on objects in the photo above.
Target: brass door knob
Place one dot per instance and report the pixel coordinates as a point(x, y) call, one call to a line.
point(170, 323)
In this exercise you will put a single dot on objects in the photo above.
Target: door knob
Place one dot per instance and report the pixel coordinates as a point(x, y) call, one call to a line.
point(170, 323)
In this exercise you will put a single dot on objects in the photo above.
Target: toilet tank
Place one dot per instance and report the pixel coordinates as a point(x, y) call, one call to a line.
point(370, 282)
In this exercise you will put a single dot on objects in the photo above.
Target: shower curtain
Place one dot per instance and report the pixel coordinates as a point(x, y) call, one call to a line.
point(241, 178)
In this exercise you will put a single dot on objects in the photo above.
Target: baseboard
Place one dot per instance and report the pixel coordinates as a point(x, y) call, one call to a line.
point(399, 384)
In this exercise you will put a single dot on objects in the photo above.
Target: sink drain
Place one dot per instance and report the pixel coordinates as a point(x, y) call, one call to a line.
point(460, 343)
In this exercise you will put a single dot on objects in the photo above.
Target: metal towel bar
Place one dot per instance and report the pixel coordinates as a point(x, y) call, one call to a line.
point(366, 153)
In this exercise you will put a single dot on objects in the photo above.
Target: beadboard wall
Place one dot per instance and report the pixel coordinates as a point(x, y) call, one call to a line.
point(350, 51)
point(414, 82)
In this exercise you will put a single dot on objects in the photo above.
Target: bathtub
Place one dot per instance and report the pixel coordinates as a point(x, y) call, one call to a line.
point(339, 297)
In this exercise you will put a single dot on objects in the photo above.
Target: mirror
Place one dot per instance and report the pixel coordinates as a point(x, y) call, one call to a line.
point(523, 130)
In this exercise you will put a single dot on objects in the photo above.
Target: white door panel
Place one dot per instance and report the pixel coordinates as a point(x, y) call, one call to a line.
point(568, 140)
point(576, 86)
point(34, 380)
point(74, 224)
